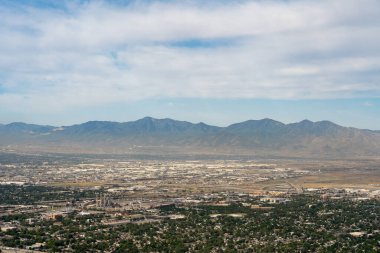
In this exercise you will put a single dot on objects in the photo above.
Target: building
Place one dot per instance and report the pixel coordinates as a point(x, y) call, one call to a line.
point(272, 200)
point(103, 200)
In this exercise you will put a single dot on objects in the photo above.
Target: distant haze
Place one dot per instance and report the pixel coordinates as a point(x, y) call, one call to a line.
point(264, 137)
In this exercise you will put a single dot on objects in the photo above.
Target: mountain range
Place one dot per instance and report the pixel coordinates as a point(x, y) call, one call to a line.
point(150, 135)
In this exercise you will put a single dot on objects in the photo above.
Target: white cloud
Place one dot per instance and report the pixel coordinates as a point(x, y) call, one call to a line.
point(98, 53)
point(301, 70)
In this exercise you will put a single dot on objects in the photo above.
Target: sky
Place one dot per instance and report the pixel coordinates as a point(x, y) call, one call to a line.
point(218, 62)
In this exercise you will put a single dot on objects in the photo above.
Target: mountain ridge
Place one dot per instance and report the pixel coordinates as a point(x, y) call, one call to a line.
point(146, 118)
point(267, 136)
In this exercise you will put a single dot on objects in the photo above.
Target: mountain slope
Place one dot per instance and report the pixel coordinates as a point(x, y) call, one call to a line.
point(264, 136)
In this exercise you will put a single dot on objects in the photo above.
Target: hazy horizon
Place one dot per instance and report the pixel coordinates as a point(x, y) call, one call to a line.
point(184, 120)
point(220, 62)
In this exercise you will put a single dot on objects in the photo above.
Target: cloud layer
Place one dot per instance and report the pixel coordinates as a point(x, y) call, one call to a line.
point(93, 53)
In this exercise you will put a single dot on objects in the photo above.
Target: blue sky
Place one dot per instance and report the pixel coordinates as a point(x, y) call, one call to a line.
point(65, 62)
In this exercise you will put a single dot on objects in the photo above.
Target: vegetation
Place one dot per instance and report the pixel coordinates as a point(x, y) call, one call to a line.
point(305, 224)
point(32, 194)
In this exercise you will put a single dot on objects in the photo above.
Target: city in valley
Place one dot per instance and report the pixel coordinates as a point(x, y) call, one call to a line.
point(172, 126)
point(66, 203)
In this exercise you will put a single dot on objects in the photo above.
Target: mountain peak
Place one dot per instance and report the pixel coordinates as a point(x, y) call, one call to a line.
point(147, 118)
point(271, 121)
point(17, 124)
point(327, 123)
point(306, 122)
